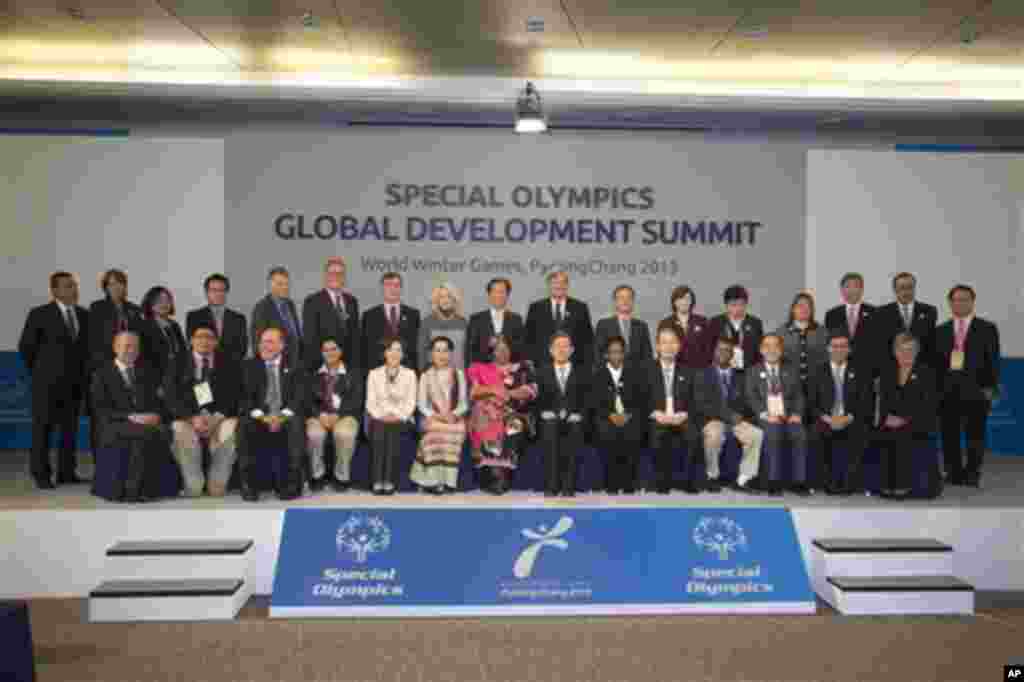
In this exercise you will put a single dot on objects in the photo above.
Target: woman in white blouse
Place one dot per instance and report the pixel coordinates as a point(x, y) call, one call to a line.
point(390, 403)
point(443, 404)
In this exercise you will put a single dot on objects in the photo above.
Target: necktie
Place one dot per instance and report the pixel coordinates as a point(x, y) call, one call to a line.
point(851, 319)
point(961, 334)
point(624, 326)
point(619, 407)
point(273, 390)
point(130, 373)
point(773, 380)
point(906, 316)
point(286, 315)
point(559, 318)
point(723, 377)
point(393, 318)
point(339, 305)
point(206, 369)
point(172, 341)
point(69, 315)
point(561, 377)
point(218, 320)
point(839, 407)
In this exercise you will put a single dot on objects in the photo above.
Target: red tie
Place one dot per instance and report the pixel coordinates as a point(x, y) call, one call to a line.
point(961, 333)
point(393, 314)
point(851, 319)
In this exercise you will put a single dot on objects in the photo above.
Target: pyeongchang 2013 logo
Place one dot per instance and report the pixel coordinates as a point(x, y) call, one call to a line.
point(539, 539)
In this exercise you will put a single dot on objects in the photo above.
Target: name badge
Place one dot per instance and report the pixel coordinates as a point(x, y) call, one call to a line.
point(203, 393)
point(776, 408)
point(335, 400)
point(956, 360)
point(737, 358)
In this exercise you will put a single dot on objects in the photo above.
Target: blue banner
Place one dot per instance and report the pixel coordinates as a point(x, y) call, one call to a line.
point(387, 562)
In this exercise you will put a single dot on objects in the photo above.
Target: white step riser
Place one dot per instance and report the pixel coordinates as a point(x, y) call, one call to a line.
point(876, 565)
point(133, 609)
point(178, 566)
point(855, 603)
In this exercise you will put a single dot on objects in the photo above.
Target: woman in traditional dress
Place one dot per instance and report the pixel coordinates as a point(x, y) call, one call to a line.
point(443, 404)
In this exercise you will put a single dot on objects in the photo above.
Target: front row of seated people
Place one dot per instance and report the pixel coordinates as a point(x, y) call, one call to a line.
point(237, 413)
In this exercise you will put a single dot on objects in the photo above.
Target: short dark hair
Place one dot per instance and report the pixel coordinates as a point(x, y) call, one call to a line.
point(500, 280)
point(851, 275)
point(149, 300)
point(110, 274)
point(390, 275)
point(204, 327)
point(217, 277)
point(682, 292)
point(508, 341)
point(900, 275)
point(56, 277)
point(273, 328)
point(621, 287)
point(449, 344)
point(736, 292)
point(559, 335)
point(278, 270)
point(612, 341)
point(728, 340)
point(386, 342)
point(961, 287)
point(671, 329)
point(335, 341)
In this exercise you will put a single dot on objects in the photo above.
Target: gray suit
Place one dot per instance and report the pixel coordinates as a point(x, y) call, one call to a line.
point(775, 434)
point(265, 314)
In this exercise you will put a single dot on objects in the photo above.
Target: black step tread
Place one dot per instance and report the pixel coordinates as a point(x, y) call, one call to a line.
point(903, 583)
point(190, 587)
point(173, 547)
point(867, 545)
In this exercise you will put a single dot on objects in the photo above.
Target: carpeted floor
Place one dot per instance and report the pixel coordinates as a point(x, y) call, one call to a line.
point(656, 649)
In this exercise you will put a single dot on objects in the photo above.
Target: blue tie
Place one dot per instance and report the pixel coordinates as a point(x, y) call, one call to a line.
point(286, 315)
point(724, 377)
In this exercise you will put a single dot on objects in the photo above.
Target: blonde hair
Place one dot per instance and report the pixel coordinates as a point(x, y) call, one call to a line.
point(453, 291)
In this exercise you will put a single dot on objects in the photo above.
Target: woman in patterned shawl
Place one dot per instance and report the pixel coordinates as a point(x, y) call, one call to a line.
point(442, 402)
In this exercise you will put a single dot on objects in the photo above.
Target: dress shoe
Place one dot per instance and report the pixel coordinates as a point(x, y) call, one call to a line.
point(773, 490)
point(833, 490)
point(629, 491)
point(290, 493)
point(892, 495)
point(612, 491)
point(801, 490)
point(72, 479)
point(957, 479)
point(44, 484)
point(745, 488)
point(973, 480)
point(340, 486)
point(548, 493)
point(663, 491)
point(317, 485)
point(250, 495)
point(568, 493)
point(713, 486)
point(691, 489)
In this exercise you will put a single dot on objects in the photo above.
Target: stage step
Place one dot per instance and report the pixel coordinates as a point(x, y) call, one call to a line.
point(903, 594)
point(867, 558)
point(177, 559)
point(116, 601)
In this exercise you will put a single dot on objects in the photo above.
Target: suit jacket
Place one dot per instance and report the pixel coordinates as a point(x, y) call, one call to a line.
point(113, 402)
point(639, 352)
point(53, 358)
point(752, 333)
point(225, 382)
point(349, 389)
point(858, 393)
point(376, 328)
point(550, 397)
point(481, 330)
point(696, 345)
point(981, 359)
point(792, 390)
point(540, 325)
point(320, 320)
point(633, 389)
point(103, 325)
point(254, 388)
point(712, 403)
point(234, 339)
point(863, 345)
point(917, 400)
point(157, 351)
point(265, 314)
point(683, 396)
point(889, 323)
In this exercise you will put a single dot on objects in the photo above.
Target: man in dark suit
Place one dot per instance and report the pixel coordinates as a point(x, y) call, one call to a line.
point(54, 346)
point(723, 410)
point(673, 419)
point(745, 330)
point(202, 395)
point(497, 320)
point(842, 410)
point(232, 335)
point(854, 320)
point(390, 319)
point(272, 406)
point(561, 405)
point(967, 348)
point(619, 405)
point(559, 313)
point(128, 411)
point(776, 396)
point(905, 314)
point(276, 309)
point(331, 313)
point(635, 332)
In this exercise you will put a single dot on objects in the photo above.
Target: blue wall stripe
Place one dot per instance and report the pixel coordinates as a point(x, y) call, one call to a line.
point(956, 148)
point(68, 132)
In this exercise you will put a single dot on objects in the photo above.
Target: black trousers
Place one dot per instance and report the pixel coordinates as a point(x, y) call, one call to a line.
point(252, 432)
point(562, 440)
point(897, 448)
point(55, 407)
point(620, 448)
point(668, 442)
point(853, 440)
point(386, 439)
point(970, 417)
point(144, 444)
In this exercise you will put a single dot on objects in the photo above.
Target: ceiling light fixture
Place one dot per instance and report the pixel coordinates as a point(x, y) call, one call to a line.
point(530, 112)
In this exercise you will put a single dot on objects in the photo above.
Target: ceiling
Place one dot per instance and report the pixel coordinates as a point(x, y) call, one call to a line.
point(647, 62)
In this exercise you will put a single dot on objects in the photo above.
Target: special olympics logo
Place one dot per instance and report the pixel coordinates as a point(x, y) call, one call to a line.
point(719, 535)
point(363, 535)
point(542, 537)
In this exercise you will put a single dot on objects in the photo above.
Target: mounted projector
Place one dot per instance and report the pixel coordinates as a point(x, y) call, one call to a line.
point(530, 112)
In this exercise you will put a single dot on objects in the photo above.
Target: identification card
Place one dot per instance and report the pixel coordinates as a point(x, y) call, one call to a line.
point(335, 401)
point(956, 360)
point(737, 358)
point(776, 408)
point(203, 393)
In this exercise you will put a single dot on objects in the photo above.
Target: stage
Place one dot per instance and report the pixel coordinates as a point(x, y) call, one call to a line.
point(56, 539)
